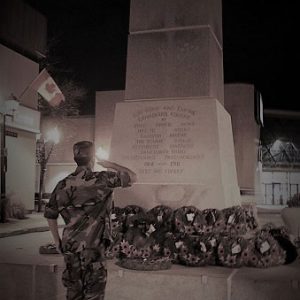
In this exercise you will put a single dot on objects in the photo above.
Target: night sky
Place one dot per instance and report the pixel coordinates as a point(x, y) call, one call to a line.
point(89, 43)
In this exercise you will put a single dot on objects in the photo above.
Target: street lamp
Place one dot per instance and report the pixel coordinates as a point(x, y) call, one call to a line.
point(10, 108)
point(44, 149)
point(101, 153)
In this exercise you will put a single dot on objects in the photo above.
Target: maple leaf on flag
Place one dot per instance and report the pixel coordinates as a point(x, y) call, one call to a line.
point(50, 87)
point(45, 85)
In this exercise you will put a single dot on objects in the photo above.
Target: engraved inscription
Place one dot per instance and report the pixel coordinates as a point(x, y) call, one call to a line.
point(163, 140)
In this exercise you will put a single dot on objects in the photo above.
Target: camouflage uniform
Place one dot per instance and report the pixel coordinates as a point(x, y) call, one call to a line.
point(83, 199)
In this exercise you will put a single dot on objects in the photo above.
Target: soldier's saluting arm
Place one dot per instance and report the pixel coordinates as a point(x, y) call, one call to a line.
point(121, 169)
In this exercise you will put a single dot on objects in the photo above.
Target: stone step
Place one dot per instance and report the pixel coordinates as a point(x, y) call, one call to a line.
point(43, 282)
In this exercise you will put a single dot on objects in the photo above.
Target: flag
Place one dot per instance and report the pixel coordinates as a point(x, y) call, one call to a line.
point(45, 85)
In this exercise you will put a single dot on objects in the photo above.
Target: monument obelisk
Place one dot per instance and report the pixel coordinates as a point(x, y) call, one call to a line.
point(172, 129)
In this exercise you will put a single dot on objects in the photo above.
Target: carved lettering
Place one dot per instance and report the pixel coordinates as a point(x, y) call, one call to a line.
point(163, 141)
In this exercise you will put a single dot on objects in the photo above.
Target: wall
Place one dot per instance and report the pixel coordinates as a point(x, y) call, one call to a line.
point(239, 102)
point(22, 27)
point(16, 73)
point(55, 172)
point(20, 176)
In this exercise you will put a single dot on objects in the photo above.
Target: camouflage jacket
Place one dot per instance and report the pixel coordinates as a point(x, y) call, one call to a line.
point(84, 200)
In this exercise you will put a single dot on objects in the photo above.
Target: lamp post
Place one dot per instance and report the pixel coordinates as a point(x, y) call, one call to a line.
point(44, 149)
point(11, 107)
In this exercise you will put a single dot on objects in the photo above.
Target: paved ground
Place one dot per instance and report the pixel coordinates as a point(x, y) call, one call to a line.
point(34, 222)
point(24, 248)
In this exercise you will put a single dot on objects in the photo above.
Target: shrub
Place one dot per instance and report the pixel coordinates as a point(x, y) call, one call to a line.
point(294, 201)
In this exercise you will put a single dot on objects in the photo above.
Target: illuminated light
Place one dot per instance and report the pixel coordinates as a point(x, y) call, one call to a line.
point(52, 135)
point(101, 153)
point(277, 146)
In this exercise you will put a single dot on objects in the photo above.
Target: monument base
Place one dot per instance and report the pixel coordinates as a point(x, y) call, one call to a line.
point(32, 281)
point(177, 195)
point(182, 151)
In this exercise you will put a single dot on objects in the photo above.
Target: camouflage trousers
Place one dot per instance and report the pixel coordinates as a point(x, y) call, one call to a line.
point(84, 276)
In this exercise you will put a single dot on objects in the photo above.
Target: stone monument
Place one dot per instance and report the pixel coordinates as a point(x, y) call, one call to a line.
point(172, 129)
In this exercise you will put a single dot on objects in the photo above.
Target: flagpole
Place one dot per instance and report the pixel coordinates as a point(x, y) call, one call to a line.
point(30, 85)
point(23, 93)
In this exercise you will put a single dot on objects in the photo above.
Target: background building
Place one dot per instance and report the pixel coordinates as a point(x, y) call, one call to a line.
point(22, 43)
point(281, 156)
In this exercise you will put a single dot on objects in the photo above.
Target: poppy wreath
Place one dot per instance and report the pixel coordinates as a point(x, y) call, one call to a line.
point(199, 223)
point(184, 219)
point(169, 248)
point(186, 250)
point(130, 250)
point(130, 211)
point(275, 230)
point(230, 251)
point(150, 264)
point(143, 231)
point(214, 221)
point(264, 251)
point(207, 245)
point(155, 235)
point(162, 216)
point(251, 221)
point(197, 251)
point(139, 238)
point(139, 220)
point(196, 238)
point(117, 218)
point(235, 220)
point(140, 251)
point(134, 244)
point(281, 235)
point(114, 250)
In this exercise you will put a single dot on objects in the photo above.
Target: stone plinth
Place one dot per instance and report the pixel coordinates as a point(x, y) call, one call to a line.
point(27, 282)
point(31, 281)
point(154, 15)
point(182, 152)
point(178, 283)
point(291, 218)
point(276, 283)
point(174, 64)
point(105, 107)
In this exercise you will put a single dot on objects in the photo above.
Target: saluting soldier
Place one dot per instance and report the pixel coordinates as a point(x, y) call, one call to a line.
point(84, 200)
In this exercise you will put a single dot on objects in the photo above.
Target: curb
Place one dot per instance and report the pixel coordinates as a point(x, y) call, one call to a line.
point(27, 230)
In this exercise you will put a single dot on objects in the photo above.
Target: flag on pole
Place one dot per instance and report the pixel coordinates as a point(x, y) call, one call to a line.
point(45, 85)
